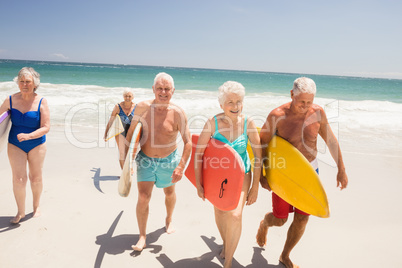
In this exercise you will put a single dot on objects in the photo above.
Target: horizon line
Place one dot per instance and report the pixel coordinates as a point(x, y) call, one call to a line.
point(207, 68)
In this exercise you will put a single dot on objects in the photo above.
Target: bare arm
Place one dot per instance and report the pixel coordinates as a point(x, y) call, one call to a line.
point(112, 117)
point(328, 136)
point(203, 140)
point(5, 106)
point(268, 130)
point(185, 135)
point(254, 138)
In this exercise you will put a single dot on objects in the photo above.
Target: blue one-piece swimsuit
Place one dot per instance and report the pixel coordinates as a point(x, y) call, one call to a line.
point(25, 123)
point(126, 119)
point(239, 145)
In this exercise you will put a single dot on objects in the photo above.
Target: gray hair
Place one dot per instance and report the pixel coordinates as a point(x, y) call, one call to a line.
point(127, 91)
point(230, 87)
point(164, 76)
point(31, 72)
point(304, 85)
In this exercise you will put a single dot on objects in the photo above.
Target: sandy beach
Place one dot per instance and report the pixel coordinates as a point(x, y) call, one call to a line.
point(88, 53)
point(85, 223)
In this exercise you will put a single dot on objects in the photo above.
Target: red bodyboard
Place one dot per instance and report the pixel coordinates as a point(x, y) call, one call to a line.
point(223, 173)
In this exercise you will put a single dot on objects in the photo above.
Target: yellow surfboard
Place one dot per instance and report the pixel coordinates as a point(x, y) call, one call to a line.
point(251, 154)
point(115, 129)
point(292, 178)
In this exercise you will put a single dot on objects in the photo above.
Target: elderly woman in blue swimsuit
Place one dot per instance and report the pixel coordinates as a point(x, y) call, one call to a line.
point(30, 122)
point(125, 110)
point(234, 128)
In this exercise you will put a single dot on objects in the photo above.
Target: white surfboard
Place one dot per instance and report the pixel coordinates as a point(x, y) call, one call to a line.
point(129, 169)
point(5, 124)
point(115, 129)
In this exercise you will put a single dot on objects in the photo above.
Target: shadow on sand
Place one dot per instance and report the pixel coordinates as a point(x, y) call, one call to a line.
point(5, 224)
point(114, 245)
point(98, 178)
point(205, 260)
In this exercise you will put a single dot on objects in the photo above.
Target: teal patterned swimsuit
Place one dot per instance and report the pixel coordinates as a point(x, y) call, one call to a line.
point(239, 145)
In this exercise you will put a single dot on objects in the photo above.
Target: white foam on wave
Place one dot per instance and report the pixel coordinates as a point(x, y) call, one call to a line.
point(371, 115)
point(350, 114)
point(90, 106)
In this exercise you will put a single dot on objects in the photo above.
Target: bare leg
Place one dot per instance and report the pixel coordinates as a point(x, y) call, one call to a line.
point(231, 224)
point(295, 232)
point(262, 234)
point(123, 148)
point(233, 230)
point(36, 158)
point(18, 162)
point(220, 221)
point(170, 202)
point(268, 221)
point(144, 196)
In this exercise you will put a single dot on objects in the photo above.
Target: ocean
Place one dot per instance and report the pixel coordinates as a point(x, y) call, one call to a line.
point(364, 113)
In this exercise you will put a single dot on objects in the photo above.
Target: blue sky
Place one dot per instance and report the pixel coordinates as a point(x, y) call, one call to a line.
point(357, 38)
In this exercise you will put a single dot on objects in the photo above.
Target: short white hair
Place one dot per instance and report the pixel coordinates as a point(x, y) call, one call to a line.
point(164, 76)
point(127, 91)
point(230, 87)
point(304, 85)
point(28, 71)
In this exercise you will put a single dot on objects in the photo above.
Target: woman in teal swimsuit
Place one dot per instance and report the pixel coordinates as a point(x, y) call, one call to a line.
point(125, 110)
point(30, 122)
point(235, 129)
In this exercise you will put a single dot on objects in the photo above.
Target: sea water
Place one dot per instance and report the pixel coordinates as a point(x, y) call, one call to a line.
point(364, 113)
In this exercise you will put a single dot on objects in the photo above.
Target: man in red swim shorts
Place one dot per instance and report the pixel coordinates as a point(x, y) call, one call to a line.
point(299, 122)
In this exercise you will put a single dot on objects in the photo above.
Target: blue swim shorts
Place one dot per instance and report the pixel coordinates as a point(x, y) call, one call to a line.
point(158, 170)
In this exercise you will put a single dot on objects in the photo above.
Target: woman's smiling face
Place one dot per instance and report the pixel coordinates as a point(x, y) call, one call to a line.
point(233, 105)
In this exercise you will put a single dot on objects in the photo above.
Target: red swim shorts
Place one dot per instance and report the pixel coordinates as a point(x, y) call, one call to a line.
point(281, 208)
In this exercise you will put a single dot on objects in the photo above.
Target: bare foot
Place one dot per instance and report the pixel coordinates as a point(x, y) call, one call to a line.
point(169, 227)
point(36, 213)
point(287, 262)
point(140, 244)
point(17, 219)
point(262, 234)
point(222, 254)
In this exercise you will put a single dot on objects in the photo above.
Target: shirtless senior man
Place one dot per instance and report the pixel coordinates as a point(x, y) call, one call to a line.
point(158, 162)
point(299, 122)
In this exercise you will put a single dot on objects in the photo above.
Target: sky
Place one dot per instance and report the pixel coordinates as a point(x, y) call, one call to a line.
point(344, 37)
